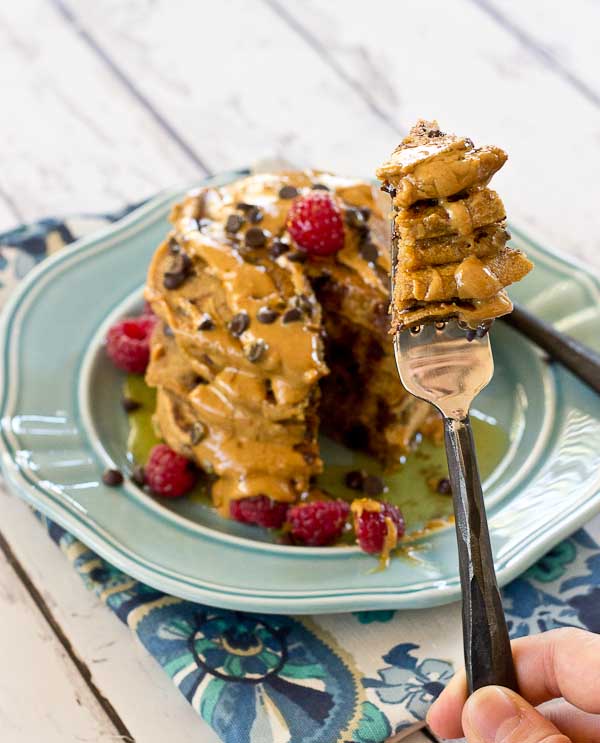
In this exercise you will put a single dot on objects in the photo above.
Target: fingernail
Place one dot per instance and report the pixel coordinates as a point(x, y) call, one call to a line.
point(492, 715)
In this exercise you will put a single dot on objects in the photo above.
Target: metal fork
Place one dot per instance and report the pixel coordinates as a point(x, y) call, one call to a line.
point(446, 366)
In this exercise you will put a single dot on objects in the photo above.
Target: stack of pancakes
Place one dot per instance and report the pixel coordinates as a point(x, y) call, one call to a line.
point(449, 230)
point(259, 346)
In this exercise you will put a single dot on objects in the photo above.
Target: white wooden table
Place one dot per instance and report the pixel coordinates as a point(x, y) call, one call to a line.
point(104, 102)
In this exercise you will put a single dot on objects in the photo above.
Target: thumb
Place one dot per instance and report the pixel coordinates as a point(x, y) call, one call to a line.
point(496, 715)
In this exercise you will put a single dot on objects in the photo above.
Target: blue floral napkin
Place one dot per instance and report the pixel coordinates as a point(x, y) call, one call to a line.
point(352, 678)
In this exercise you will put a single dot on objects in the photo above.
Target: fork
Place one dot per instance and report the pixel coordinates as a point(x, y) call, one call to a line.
point(448, 366)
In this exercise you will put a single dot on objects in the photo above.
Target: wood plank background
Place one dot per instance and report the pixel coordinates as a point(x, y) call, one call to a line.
point(106, 102)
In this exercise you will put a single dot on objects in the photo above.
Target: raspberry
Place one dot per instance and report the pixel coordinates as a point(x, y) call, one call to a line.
point(128, 343)
point(168, 473)
point(315, 223)
point(318, 522)
point(260, 510)
point(371, 526)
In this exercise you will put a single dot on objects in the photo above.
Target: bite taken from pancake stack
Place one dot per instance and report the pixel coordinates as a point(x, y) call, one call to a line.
point(449, 230)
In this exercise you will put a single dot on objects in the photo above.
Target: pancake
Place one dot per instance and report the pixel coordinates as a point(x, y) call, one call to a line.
point(260, 346)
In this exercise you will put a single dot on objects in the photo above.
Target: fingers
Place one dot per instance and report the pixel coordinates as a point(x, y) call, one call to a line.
point(561, 663)
point(497, 715)
point(580, 727)
point(444, 717)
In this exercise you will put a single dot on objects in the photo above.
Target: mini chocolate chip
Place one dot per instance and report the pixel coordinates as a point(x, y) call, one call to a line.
point(435, 133)
point(266, 315)
point(355, 218)
point(254, 215)
point(173, 280)
point(389, 189)
point(239, 323)
point(319, 187)
point(443, 486)
point(138, 475)
point(197, 433)
point(256, 351)
point(168, 331)
point(469, 142)
point(244, 207)
point(288, 192)
point(278, 248)
point(354, 479)
point(130, 405)
point(373, 485)
point(206, 322)
point(298, 256)
point(309, 457)
point(255, 237)
point(369, 252)
point(112, 478)
point(179, 270)
point(303, 303)
point(234, 223)
point(174, 245)
point(366, 213)
point(292, 315)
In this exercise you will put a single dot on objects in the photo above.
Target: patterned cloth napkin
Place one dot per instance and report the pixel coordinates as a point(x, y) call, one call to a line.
point(354, 678)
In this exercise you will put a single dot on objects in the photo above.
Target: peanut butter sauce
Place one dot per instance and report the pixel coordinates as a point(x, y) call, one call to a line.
point(251, 377)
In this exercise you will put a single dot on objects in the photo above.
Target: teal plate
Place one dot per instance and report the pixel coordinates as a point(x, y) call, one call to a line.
point(62, 425)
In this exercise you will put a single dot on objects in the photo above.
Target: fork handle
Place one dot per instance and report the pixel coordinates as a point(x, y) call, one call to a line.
point(488, 657)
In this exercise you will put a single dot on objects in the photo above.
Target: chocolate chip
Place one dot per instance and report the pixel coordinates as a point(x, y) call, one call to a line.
point(288, 192)
point(255, 237)
point(179, 270)
point(292, 315)
point(278, 248)
point(206, 322)
point(173, 280)
point(197, 433)
point(389, 189)
point(174, 246)
point(244, 207)
point(303, 303)
point(299, 256)
point(238, 324)
point(354, 479)
point(355, 218)
point(266, 315)
point(112, 478)
point(138, 476)
point(373, 485)
point(319, 187)
point(256, 351)
point(369, 251)
point(443, 486)
point(130, 405)
point(254, 215)
point(435, 133)
point(234, 223)
point(469, 142)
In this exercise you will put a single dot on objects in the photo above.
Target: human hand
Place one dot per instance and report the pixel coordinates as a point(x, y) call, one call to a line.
point(559, 670)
